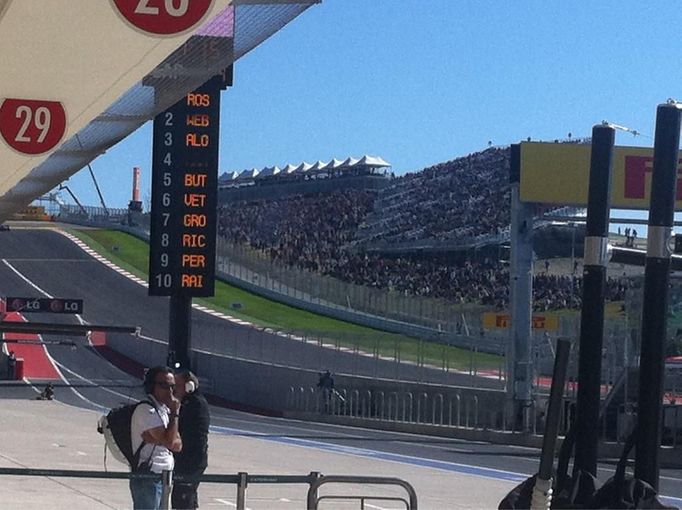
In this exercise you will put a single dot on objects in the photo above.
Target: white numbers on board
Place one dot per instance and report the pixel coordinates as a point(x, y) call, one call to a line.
point(41, 120)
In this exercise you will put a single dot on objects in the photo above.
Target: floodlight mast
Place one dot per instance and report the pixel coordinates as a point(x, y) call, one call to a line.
point(626, 129)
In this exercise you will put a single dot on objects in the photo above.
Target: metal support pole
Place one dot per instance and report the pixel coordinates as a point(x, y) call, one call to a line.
point(594, 287)
point(180, 332)
point(167, 484)
point(241, 490)
point(311, 503)
point(655, 299)
point(521, 295)
point(554, 410)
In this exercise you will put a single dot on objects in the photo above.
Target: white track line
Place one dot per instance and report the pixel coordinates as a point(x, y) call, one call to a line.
point(42, 291)
point(54, 362)
point(20, 275)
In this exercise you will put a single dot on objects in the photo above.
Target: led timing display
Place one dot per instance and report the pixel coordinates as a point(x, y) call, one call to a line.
point(184, 194)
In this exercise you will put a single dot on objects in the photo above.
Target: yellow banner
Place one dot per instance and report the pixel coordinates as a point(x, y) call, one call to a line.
point(558, 173)
point(544, 322)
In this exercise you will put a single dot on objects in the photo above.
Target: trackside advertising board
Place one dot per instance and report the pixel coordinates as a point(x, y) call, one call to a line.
point(558, 173)
point(43, 305)
point(545, 322)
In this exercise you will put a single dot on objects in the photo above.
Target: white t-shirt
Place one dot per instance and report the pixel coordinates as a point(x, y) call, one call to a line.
point(144, 418)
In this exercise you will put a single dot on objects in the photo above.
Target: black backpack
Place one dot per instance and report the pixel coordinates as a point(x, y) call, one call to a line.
point(116, 429)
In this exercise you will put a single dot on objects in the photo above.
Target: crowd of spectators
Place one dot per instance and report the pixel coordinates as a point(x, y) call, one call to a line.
point(319, 232)
point(304, 231)
point(483, 282)
point(462, 199)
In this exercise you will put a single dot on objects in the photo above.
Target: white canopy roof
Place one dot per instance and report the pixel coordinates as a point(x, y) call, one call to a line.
point(372, 161)
point(269, 172)
point(228, 176)
point(247, 174)
point(303, 168)
point(333, 164)
point(317, 167)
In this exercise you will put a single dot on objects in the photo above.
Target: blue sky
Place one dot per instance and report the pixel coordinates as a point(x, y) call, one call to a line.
point(423, 81)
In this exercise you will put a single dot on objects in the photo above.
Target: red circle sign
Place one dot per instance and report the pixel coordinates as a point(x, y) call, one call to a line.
point(57, 305)
point(32, 127)
point(163, 17)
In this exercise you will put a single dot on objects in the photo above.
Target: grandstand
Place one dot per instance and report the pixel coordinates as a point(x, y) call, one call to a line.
point(463, 200)
point(434, 233)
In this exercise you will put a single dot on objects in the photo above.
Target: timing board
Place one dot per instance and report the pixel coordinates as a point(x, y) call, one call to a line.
point(184, 195)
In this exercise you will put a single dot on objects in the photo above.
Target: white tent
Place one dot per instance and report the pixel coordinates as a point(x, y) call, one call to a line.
point(373, 161)
point(303, 168)
point(350, 162)
point(226, 178)
point(247, 175)
point(333, 164)
point(289, 169)
point(317, 168)
point(270, 171)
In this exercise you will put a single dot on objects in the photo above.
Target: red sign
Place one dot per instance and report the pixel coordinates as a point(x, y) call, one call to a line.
point(30, 126)
point(163, 17)
point(636, 170)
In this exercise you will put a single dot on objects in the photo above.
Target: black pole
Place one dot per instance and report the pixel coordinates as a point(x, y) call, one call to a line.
point(655, 299)
point(556, 394)
point(592, 314)
point(180, 332)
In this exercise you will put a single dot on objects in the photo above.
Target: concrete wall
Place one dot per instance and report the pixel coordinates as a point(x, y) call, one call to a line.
point(266, 386)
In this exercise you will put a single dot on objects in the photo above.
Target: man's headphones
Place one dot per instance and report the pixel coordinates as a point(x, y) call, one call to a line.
point(192, 382)
point(190, 387)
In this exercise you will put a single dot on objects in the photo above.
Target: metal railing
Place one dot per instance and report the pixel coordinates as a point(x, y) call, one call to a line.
point(437, 315)
point(242, 480)
point(463, 410)
point(371, 354)
point(313, 499)
point(403, 407)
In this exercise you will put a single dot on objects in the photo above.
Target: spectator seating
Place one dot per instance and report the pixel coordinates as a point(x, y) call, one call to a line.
point(465, 198)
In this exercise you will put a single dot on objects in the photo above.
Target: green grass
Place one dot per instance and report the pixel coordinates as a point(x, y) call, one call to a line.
point(132, 254)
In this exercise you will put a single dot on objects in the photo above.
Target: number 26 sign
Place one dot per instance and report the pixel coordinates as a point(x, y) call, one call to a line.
point(163, 17)
point(30, 126)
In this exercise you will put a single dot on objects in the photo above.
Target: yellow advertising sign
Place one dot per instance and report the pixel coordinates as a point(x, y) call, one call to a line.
point(545, 322)
point(558, 173)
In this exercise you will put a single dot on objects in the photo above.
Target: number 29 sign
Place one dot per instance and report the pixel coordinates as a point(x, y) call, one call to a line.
point(30, 126)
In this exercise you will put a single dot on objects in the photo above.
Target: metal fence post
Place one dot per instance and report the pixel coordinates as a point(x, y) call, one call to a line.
point(167, 485)
point(311, 504)
point(241, 490)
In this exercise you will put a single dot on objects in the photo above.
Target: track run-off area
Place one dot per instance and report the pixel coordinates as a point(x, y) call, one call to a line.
point(61, 434)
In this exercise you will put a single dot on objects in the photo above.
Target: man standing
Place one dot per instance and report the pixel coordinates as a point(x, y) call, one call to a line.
point(326, 384)
point(11, 366)
point(155, 427)
point(194, 422)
